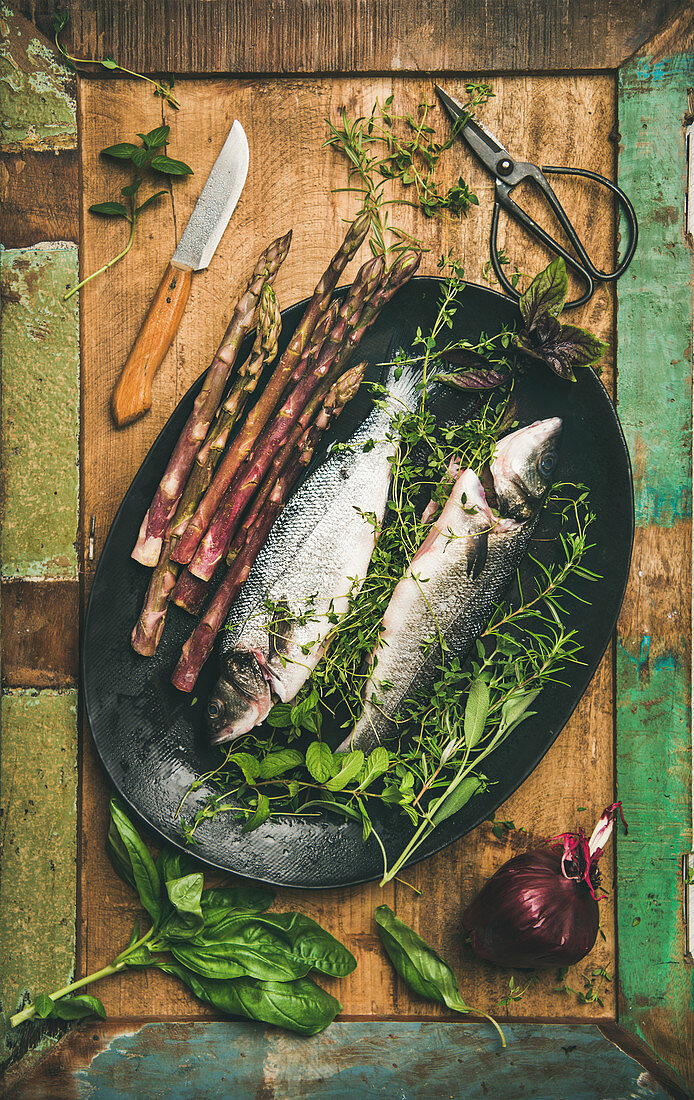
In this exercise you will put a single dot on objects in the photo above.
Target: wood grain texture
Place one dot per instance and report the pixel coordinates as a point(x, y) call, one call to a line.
point(40, 626)
point(559, 120)
point(39, 198)
point(305, 36)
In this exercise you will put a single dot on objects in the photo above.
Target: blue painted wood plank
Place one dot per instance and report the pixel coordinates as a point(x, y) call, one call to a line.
point(351, 1060)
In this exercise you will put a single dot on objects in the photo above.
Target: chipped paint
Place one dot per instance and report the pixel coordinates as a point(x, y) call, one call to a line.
point(204, 1060)
point(40, 412)
point(38, 842)
point(653, 715)
point(36, 90)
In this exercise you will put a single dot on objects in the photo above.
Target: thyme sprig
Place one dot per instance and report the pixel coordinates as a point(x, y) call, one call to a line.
point(165, 90)
point(435, 765)
point(385, 146)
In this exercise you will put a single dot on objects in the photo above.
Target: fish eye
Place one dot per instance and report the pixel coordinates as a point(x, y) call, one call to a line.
point(547, 463)
point(214, 709)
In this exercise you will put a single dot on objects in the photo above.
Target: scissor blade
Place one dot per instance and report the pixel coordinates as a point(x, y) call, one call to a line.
point(478, 137)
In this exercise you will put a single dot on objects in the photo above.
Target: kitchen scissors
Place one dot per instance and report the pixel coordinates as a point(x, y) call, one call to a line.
point(508, 173)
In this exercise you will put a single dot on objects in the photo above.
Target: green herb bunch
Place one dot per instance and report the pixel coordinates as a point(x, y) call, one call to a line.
point(160, 88)
point(220, 942)
point(146, 159)
point(386, 146)
point(446, 735)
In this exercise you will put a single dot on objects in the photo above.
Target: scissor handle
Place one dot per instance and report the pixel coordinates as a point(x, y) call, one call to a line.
point(583, 267)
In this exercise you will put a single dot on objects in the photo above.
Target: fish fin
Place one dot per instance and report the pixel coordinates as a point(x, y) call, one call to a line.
point(477, 549)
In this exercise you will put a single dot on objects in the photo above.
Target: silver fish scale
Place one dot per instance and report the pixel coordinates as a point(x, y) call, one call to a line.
point(315, 545)
point(452, 602)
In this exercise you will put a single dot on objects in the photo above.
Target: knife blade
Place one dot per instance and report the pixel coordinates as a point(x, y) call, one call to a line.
point(132, 396)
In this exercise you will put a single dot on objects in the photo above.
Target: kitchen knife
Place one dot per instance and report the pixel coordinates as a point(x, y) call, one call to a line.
point(132, 396)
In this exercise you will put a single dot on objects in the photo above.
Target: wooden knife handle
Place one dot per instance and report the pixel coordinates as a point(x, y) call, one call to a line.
point(132, 396)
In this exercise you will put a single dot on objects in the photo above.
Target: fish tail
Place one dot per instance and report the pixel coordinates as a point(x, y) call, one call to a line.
point(402, 382)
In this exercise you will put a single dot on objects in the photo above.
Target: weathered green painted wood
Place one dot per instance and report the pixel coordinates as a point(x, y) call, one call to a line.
point(38, 843)
point(410, 1061)
point(654, 650)
point(40, 412)
point(36, 90)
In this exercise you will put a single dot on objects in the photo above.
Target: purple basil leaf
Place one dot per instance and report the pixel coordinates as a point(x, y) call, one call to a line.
point(581, 346)
point(463, 357)
point(561, 347)
point(546, 294)
point(484, 379)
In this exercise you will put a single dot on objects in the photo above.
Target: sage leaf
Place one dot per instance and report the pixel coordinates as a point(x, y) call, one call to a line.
point(129, 855)
point(299, 1006)
point(170, 167)
point(476, 711)
point(546, 294)
point(354, 761)
point(319, 759)
point(259, 816)
point(456, 799)
point(110, 210)
point(515, 708)
point(277, 763)
point(122, 151)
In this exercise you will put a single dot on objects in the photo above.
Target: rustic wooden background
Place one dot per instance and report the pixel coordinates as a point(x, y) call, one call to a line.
point(562, 120)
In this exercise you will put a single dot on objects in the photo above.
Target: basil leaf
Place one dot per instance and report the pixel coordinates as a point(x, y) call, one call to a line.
point(573, 347)
point(132, 857)
point(486, 379)
point(108, 62)
point(319, 760)
point(305, 938)
point(170, 167)
point(43, 1005)
point(259, 816)
point(456, 799)
point(156, 137)
point(110, 209)
point(546, 294)
point(217, 901)
point(354, 761)
point(75, 1008)
point(266, 960)
point(425, 972)
point(142, 957)
point(123, 151)
point(476, 711)
point(276, 763)
point(184, 894)
point(171, 864)
point(376, 765)
point(299, 1006)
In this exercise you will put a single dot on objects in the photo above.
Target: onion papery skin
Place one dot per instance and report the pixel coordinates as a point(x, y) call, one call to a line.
point(528, 915)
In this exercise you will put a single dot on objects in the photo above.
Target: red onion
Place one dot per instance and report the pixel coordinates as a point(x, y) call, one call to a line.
point(540, 909)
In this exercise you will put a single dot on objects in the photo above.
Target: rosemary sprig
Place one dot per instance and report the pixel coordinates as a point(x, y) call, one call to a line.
point(107, 62)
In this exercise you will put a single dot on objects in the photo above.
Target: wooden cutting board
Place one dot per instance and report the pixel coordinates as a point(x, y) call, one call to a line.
point(557, 120)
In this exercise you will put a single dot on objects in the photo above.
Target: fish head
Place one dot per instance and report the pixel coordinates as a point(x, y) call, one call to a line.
point(523, 466)
point(241, 698)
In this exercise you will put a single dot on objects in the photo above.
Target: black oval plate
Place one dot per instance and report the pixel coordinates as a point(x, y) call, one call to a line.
point(151, 737)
